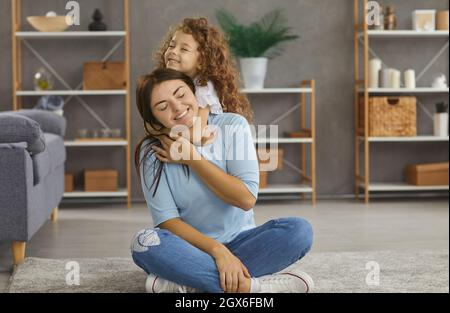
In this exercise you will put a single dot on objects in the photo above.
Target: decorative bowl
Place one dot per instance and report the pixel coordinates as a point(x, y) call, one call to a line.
point(48, 23)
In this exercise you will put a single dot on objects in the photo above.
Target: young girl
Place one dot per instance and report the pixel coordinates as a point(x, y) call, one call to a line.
point(200, 51)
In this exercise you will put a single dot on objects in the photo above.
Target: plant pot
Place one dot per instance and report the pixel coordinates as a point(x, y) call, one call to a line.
point(253, 72)
point(441, 124)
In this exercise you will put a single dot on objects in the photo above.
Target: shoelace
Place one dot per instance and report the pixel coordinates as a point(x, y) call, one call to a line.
point(179, 288)
point(284, 280)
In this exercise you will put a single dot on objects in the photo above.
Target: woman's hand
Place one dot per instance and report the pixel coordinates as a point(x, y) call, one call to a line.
point(234, 276)
point(175, 150)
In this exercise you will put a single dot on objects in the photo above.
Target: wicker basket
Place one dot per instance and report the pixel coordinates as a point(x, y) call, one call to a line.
point(390, 116)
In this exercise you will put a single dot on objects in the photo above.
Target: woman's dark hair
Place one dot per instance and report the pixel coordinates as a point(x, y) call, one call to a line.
point(144, 90)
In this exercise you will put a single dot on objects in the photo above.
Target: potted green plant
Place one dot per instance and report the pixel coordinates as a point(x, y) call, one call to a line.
point(254, 44)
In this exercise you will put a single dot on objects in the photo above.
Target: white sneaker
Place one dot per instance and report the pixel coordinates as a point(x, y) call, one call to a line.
point(291, 281)
point(155, 284)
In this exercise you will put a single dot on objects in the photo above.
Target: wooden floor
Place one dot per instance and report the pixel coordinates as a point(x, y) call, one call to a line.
point(85, 231)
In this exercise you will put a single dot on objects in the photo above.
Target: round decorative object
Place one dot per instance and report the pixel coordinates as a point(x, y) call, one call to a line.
point(83, 133)
point(50, 14)
point(439, 81)
point(43, 80)
point(116, 133)
point(51, 103)
point(48, 23)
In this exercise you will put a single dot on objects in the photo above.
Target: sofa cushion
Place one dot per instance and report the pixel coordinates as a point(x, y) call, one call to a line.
point(15, 145)
point(53, 156)
point(17, 128)
point(49, 121)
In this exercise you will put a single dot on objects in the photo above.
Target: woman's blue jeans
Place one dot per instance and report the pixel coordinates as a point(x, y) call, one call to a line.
point(264, 250)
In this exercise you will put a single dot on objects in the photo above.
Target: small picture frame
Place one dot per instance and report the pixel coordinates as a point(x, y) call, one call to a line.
point(424, 20)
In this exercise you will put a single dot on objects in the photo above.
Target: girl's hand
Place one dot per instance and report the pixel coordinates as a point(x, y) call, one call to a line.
point(234, 276)
point(175, 150)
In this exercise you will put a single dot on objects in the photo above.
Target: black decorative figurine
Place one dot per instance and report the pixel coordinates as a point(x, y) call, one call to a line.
point(97, 24)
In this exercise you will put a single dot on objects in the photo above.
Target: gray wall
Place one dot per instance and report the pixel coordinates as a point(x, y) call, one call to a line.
point(324, 53)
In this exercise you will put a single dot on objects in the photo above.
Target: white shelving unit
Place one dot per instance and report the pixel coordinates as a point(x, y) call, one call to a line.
point(405, 33)
point(97, 143)
point(402, 187)
point(283, 140)
point(278, 90)
point(70, 34)
point(419, 90)
point(287, 188)
point(362, 35)
point(25, 93)
point(406, 139)
point(23, 38)
point(103, 194)
point(307, 184)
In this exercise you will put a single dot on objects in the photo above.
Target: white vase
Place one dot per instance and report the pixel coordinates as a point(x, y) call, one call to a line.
point(441, 124)
point(253, 72)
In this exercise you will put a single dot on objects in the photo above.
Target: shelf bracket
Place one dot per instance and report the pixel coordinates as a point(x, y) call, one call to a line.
point(293, 167)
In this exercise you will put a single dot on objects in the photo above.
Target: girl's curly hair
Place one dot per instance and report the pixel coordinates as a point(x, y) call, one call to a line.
point(216, 64)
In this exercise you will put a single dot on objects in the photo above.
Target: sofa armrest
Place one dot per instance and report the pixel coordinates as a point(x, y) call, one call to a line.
point(16, 184)
point(50, 122)
point(16, 128)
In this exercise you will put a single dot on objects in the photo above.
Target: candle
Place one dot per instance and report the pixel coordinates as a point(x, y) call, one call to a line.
point(384, 78)
point(394, 78)
point(374, 69)
point(410, 79)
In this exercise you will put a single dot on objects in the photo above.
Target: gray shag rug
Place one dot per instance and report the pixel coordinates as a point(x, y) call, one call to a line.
point(337, 272)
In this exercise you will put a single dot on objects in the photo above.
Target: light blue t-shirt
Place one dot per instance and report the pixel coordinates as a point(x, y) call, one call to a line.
point(191, 200)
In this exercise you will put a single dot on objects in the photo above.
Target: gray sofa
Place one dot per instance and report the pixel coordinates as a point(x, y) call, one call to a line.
point(32, 157)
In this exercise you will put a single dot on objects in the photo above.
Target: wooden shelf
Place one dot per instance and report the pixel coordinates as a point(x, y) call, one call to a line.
point(96, 194)
point(407, 139)
point(406, 90)
point(306, 157)
point(96, 143)
point(70, 34)
point(71, 92)
point(401, 187)
point(283, 140)
point(362, 158)
point(406, 33)
point(286, 188)
point(25, 39)
point(278, 90)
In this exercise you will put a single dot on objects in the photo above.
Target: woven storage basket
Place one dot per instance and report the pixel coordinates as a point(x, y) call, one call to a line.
point(390, 116)
point(104, 75)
